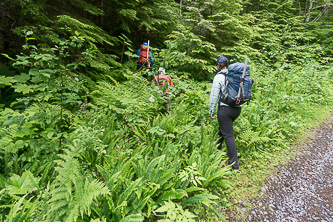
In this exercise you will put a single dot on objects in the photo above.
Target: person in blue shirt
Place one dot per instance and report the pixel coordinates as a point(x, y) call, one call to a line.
point(226, 114)
point(142, 57)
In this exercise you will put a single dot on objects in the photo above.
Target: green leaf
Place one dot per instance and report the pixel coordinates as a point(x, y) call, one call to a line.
point(2, 181)
point(129, 14)
point(152, 164)
point(123, 197)
point(49, 135)
point(163, 208)
point(7, 80)
point(22, 184)
point(24, 131)
point(15, 209)
point(192, 189)
point(22, 78)
point(172, 194)
point(23, 88)
point(133, 217)
point(188, 214)
point(200, 198)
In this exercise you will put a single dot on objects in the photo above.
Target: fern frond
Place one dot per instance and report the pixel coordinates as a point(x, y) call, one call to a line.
point(151, 166)
point(12, 216)
point(214, 173)
point(133, 217)
point(200, 198)
point(167, 175)
point(129, 190)
point(139, 204)
point(92, 9)
point(23, 210)
point(250, 138)
point(172, 194)
point(72, 193)
point(89, 31)
point(217, 213)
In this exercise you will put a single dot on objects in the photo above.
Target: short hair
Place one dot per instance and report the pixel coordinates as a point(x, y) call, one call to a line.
point(221, 66)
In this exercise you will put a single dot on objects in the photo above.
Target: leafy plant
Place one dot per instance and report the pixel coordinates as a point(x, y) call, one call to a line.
point(191, 175)
point(175, 212)
point(72, 194)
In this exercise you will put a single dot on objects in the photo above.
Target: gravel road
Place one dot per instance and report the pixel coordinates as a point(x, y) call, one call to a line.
point(302, 190)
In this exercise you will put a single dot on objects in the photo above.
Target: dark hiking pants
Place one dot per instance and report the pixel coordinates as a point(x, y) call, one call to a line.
point(226, 115)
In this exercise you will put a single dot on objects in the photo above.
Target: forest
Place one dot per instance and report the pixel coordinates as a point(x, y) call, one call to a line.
point(85, 136)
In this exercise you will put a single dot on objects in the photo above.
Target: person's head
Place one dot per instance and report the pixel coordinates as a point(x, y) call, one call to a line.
point(161, 70)
point(222, 63)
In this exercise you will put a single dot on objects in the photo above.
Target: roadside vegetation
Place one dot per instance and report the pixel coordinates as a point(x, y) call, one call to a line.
point(84, 137)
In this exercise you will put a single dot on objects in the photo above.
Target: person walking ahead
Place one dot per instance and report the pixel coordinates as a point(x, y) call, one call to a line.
point(226, 114)
point(145, 58)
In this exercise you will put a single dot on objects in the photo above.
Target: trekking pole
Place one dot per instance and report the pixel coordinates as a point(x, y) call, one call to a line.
point(148, 55)
point(241, 87)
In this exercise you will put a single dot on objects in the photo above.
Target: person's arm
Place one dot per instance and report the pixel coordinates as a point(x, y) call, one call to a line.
point(214, 94)
point(151, 59)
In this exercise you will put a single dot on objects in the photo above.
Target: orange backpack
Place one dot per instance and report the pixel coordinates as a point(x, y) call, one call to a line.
point(143, 55)
point(158, 81)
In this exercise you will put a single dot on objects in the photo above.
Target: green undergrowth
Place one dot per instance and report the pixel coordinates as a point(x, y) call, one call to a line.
point(121, 156)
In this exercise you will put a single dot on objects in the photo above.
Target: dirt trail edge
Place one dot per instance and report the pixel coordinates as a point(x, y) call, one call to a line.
point(302, 190)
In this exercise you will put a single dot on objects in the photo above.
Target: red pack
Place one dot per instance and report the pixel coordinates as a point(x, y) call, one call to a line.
point(143, 55)
point(163, 80)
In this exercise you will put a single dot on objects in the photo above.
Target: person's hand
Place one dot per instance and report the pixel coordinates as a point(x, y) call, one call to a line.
point(212, 115)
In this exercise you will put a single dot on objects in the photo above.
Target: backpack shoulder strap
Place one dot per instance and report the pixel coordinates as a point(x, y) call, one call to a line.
point(224, 91)
point(221, 73)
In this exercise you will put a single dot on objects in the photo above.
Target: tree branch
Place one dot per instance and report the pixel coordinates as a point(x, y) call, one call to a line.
point(320, 6)
point(326, 7)
point(311, 8)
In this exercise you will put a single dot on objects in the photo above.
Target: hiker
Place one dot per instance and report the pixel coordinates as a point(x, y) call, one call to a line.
point(144, 60)
point(226, 114)
point(165, 82)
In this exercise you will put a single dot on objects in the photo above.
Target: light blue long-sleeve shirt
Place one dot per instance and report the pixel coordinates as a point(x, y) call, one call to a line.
point(217, 88)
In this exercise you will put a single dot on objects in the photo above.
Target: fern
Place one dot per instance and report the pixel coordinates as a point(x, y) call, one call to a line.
point(130, 189)
point(133, 217)
point(135, 105)
point(172, 194)
point(249, 139)
point(19, 195)
point(72, 194)
point(92, 9)
point(89, 31)
point(23, 210)
point(205, 199)
point(151, 166)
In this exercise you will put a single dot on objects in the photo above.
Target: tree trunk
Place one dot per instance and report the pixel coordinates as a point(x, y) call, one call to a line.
point(309, 12)
point(180, 8)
